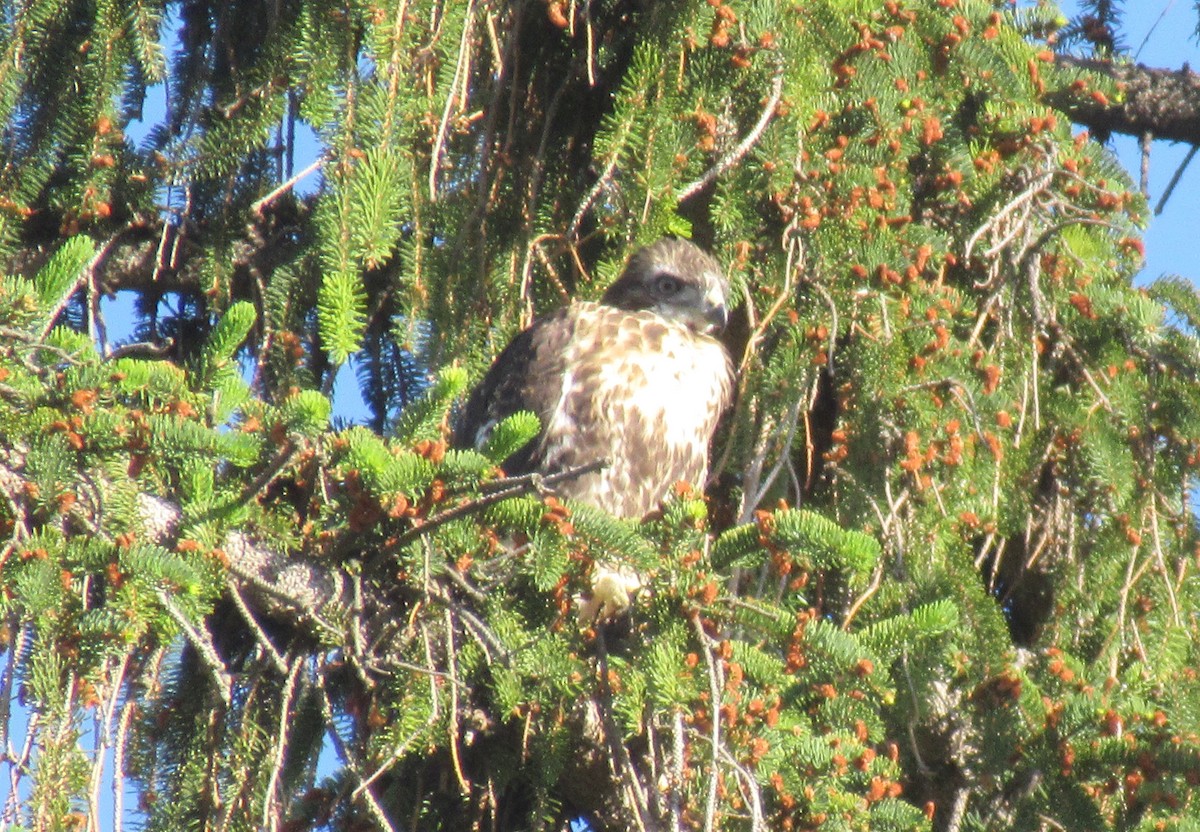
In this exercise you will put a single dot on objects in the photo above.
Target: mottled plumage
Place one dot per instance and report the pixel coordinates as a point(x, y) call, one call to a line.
point(637, 379)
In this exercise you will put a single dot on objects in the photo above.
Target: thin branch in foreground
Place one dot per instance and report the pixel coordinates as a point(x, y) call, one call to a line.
point(399, 750)
point(257, 207)
point(260, 634)
point(510, 487)
point(743, 147)
point(675, 797)
point(280, 461)
point(204, 646)
point(715, 685)
point(464, 785)
point(618, 755)
point(344, 752)
point(751, 791)
point(103, 740)
point(271, 799)
point(590, 197)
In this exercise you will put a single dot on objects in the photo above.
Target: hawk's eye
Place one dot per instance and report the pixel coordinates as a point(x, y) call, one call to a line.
point(666, 285)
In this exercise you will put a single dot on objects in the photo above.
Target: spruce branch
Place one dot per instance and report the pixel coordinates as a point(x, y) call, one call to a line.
point(462, 69)
point(86, 277)
point(1165, 102)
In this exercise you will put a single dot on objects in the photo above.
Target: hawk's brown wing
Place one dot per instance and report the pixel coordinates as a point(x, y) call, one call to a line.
point(527, 375)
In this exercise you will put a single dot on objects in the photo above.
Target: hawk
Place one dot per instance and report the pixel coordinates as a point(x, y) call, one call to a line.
point(637, 379)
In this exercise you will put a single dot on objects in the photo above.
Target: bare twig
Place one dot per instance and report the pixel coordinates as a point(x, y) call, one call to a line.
point(618, 754)
point(358, 645)
point(1175, 177)
point(786, 430)
point(1147, 140)
point(591, 196)
point(257, 207)
point(270, 818)
point(743, 147)
point(280, 461)
point(1038, 185)
point(1161, 561)
point(16, 650)
point(18, 766)
point(715, 685)
point(351, 761)
point(1133, 574)
point(118, 776)
point(461, 72)
point(260, 635)
point(202, 642)
point(463, 784)
point(453, 575)
point(519, 485)
point(103, 739)
point(751, 791)
point(397, 752)
point(876, 581)
point(141, 349)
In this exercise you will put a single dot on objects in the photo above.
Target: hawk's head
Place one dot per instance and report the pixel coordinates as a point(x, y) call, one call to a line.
point(678, 281)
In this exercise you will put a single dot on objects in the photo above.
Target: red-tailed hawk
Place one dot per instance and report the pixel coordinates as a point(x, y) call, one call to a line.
point(637, 379)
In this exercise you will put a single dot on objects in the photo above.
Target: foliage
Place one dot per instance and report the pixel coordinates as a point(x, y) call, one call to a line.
point(946, 577)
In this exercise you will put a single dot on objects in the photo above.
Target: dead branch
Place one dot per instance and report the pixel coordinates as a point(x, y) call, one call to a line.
point(1165, 102)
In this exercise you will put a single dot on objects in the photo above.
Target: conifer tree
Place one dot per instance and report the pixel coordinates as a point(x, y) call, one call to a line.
point(945, 578)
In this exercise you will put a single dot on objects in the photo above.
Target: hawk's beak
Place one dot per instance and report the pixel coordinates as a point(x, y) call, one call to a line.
point(716, 316)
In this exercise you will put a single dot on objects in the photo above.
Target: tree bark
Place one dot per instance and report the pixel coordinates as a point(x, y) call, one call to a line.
point(1162, 102)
